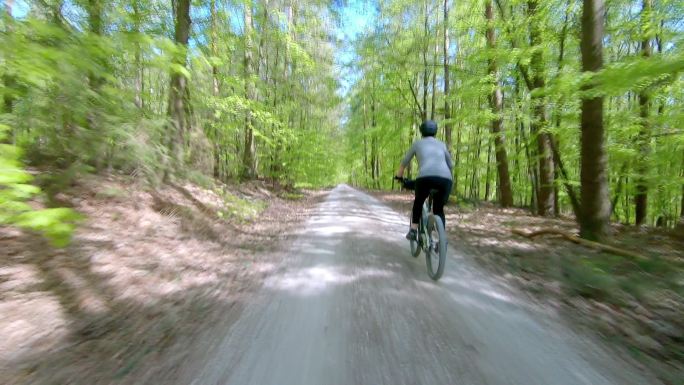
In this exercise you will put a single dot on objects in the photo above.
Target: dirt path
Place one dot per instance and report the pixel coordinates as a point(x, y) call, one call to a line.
point(350, 306)
point(151, 277)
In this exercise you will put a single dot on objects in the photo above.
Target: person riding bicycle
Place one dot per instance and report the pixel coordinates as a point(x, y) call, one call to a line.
point(434, 173)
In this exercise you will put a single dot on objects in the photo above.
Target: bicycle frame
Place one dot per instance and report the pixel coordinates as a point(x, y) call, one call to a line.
point(423, 241)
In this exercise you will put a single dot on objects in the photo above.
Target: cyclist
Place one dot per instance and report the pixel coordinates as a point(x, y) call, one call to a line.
point(434, 173)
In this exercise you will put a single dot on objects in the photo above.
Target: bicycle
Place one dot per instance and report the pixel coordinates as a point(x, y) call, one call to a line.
point(431, 237)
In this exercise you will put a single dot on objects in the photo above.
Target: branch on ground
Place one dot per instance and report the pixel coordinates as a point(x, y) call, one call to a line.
point(580, 241)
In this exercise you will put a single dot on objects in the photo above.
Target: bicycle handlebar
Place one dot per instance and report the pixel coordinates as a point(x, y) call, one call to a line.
point(409, 184)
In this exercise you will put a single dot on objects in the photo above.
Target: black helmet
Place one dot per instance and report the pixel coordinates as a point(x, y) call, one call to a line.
point(428, 128)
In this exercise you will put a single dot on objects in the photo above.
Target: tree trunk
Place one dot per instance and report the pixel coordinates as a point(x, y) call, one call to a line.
point(594, 221)
point(278, 169)
point(249, 150)
point(618, 189)
point(447, 110)
point(545, 160)
point(641, 196)
point(94, 8)
point(375, 161)
point(425, 63)
point(7, 98)
point(434, 85)
point(556, 195)
point(216, 90)
point(8, 80)
point(496, 105)
point(366, 164)
point(681, 203)
point(474, 182)
point(626, 205)
point(531, 170)
point(457, 159)
point(562, 173)
point(178, 92)
point(263, 23)
point(559, 171)
point(518, 175)
point(138, 55)
point(414, 128)
point(487, 174)
point(214, 49)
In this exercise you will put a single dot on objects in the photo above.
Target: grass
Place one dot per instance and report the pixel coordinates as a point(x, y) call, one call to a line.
point(585, 278)
point(612, 278)
point(303, 185)
point(240, 209)
point(291, 196)
point(200, 179)
point(110, 192)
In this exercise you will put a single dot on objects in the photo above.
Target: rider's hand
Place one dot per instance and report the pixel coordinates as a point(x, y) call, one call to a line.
point(399, 178)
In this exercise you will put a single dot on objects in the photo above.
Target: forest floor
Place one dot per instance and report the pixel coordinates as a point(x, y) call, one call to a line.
point(149, 272)
point(638, 305)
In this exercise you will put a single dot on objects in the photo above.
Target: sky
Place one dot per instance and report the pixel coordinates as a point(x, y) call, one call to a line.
point(357, 16)
point(20, 8)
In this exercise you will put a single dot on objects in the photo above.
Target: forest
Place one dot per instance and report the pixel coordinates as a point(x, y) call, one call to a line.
point(194, 190)
point(565, 107)
point(579, 112)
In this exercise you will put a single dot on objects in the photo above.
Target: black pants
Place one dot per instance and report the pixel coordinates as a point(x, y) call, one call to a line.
point(423, 187)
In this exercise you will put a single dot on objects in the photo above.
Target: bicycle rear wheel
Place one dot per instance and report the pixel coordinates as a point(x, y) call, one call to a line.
point(435, 255)
point(415, 245)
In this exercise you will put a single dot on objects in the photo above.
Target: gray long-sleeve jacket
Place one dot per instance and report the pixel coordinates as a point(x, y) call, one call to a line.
point(433, 158)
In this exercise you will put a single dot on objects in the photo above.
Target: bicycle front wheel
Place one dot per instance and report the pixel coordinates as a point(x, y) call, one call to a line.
point(437, 248)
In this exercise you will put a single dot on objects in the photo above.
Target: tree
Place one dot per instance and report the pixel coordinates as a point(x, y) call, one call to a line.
point(179, 96)
point(249, 149)
point(445, 52)
point(545, 192)
point(139, 69)
point(7, 79)
point(644, 137)
point(266, 102)
point(595, 216)
point(680, 223)
point(496, 105)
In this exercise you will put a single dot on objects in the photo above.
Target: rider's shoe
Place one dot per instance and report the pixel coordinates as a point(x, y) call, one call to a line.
point(412, 235)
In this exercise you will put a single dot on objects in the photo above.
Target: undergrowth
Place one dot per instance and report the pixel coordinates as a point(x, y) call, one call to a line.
point(240, 209)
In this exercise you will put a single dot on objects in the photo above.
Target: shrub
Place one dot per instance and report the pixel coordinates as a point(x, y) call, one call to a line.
point(57, 224)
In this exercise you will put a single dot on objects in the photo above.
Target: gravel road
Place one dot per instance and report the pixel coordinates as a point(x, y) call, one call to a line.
point(349, 305)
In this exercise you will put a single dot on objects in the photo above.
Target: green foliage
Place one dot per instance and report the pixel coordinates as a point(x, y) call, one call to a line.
point(241, 209)
point(91, 99)
point(292, 196)
point(200, 179)
point(588, 280)
point(396, 60)
point(606, 277)
point(637, 74)
point(57, 224)
point(83, 99)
